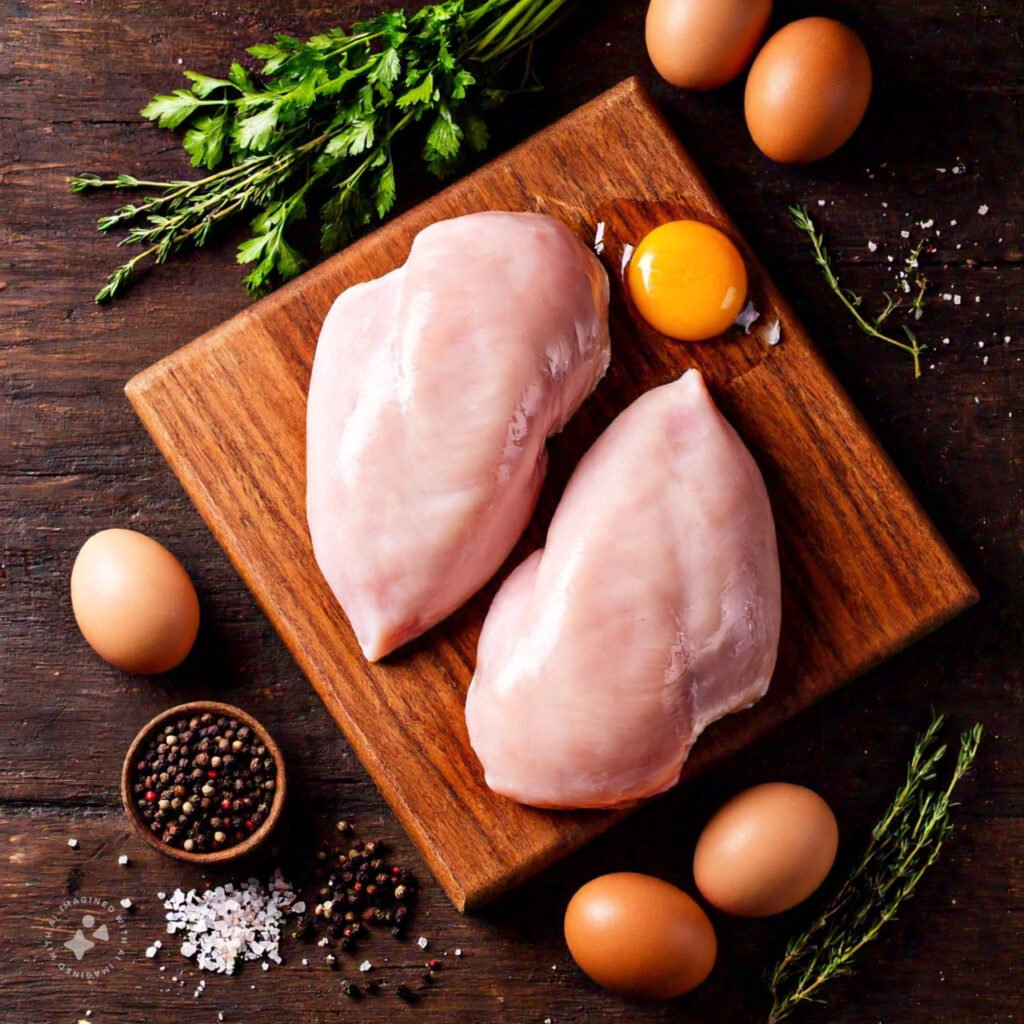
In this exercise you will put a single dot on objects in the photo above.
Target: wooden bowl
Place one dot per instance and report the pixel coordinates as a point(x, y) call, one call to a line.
point(193, 708)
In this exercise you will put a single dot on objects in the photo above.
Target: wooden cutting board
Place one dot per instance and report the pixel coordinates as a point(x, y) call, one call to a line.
point(864, 571)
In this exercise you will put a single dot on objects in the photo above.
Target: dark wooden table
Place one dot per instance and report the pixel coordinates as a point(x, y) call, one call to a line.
point(943, 144)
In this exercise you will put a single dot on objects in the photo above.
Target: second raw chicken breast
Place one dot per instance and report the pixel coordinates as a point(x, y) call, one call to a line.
point(434, 390)
point(653, 610)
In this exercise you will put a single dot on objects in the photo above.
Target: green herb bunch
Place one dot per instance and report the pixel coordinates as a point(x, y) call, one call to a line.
point(872, 326)
point(316, 127)
point(904, 844)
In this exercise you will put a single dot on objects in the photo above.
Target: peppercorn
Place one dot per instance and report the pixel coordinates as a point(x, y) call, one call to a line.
point(351, 990)
point(183, 792)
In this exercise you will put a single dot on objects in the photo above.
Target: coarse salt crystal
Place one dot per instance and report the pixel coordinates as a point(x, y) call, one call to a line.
point(73, 843)
point(222, 930)
point(956, 300)
point(422, 942)
point(927, 223)
point(365, 966)
point(904, 234)
point(774, 334)
point(151, 952)
point(123, 859)
point(458, 952)
point(872, 246)
point(126, 903)
point(983, 209)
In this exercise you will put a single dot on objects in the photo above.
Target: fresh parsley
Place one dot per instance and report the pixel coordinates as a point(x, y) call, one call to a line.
point(313, 130)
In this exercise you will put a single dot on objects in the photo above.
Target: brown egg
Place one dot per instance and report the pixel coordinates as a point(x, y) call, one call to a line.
point(702, 44)
point(133, 602)
point(639, 936)
point(766, 850)
point(807, 90)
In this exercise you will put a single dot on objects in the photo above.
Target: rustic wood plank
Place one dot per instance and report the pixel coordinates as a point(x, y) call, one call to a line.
point(74, 459)
point(514, 966)
point(864, 573)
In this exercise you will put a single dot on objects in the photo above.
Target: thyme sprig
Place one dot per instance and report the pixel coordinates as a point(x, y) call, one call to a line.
point(904, 843)
point(316, 126)
point(853, 302)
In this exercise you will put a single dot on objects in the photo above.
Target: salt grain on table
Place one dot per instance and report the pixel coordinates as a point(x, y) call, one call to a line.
point(227, 925)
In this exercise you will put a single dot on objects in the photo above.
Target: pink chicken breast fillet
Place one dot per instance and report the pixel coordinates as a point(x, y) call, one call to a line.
point(434, 390)
point(653, 610)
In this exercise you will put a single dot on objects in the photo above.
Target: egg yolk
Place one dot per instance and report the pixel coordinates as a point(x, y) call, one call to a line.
point(688, 280)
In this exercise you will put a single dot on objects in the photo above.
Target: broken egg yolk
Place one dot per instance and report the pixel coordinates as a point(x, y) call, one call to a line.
point(687, 280)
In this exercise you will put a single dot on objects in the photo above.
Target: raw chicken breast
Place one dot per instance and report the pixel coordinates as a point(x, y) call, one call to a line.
point(434, 389)
point(652, 611)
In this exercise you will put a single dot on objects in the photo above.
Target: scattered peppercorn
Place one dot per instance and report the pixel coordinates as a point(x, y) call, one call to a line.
point(198, 808)
point(356, 887)
point(351, 990)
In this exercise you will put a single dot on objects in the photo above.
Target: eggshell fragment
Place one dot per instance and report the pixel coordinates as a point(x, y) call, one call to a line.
point(766, 850)
point(134, 602)
point(702, 44)
point(639, 936)
point(807, 91)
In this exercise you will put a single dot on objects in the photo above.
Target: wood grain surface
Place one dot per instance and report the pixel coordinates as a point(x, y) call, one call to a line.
point(864, 572)
point(74, 459)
